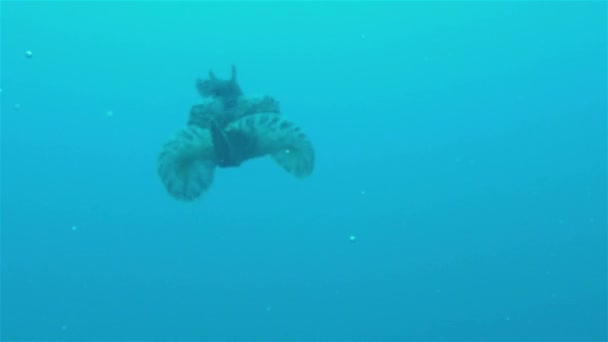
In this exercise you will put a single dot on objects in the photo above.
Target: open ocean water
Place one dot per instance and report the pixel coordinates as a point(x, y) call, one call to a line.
point(458, 193)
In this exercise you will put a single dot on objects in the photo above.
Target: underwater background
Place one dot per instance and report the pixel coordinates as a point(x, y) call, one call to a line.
point(459, 190)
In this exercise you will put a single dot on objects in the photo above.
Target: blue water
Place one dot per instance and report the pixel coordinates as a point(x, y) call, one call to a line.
point(459, 190)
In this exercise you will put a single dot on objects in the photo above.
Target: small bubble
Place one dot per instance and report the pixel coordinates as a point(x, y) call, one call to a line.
point(363, 36)
point(287, 151)
point(17, 106)
point(268, 308)
point(363, 192)
point(29, 54)
point(109, 113)
point(352, 238)
point(74, 227)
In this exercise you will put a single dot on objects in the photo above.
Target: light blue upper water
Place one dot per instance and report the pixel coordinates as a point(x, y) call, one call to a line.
point(459, 191)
